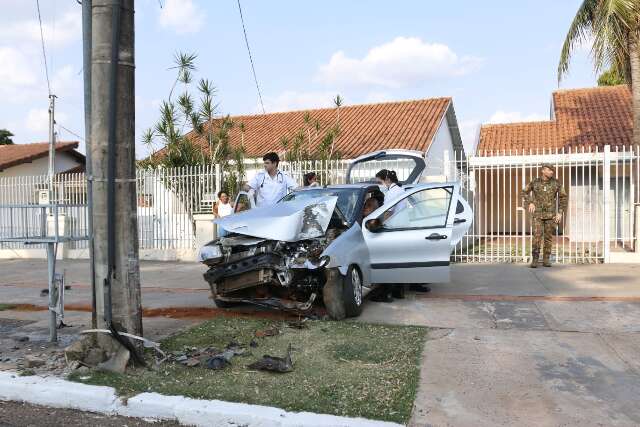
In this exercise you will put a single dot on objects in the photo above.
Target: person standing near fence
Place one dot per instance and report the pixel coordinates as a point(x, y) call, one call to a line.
point(270, 184)
point(223, 207)
point(540, 197)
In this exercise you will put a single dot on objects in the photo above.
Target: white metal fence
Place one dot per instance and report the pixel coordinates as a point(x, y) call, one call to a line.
point(602, 216)
point(603, 189)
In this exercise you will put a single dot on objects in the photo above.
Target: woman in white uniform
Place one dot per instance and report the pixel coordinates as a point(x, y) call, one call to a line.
point(389, 180)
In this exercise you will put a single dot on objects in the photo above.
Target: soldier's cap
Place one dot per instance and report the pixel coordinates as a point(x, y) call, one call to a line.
point(548, 166)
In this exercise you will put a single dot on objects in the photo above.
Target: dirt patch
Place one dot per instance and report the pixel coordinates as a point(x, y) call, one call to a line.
point(187, 312)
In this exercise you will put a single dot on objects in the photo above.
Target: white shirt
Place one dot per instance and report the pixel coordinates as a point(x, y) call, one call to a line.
point(271, 189)
point(392, 193)
point(224, 209)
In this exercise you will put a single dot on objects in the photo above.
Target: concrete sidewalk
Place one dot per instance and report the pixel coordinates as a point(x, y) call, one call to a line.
point(518, 346)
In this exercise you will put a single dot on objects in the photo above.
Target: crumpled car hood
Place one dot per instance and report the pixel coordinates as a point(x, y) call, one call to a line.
point(286, 221)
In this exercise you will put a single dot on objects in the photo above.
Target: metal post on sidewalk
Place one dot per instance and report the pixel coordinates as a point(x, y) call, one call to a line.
point(51, 271)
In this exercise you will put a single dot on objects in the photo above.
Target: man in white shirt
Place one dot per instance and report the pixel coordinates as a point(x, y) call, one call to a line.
point(271, 184)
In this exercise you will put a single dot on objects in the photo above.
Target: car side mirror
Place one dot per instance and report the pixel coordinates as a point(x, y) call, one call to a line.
point(373, 225)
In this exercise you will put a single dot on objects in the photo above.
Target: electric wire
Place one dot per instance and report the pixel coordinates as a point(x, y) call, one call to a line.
point(44, 52)
point(253, 68)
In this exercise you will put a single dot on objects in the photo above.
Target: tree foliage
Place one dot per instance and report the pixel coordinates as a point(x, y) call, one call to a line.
point(315, 140)
point(607, 26)
point(610, 78)
point(190, 131)
point(5, 137)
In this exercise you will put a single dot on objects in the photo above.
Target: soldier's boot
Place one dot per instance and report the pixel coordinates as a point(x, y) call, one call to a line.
point(535, 255)
point(545, 260)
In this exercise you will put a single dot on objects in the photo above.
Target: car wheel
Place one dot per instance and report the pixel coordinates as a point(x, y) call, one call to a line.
point(332, 294)
point(399, 291)
point(352, 292)
point(224, 304)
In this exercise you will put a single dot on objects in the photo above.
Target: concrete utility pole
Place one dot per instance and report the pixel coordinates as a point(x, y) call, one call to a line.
point(115, 225)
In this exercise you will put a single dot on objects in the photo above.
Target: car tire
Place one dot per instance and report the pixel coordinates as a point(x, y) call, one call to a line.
point(332, 294)
point(398, 291)
point(352, 292)
point(224, 304)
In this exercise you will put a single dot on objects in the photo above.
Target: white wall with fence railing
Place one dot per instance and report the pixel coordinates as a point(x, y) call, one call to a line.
point(601, 221)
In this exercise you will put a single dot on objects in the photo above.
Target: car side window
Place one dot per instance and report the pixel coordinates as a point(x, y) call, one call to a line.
point(242, 203)
point(425, 209)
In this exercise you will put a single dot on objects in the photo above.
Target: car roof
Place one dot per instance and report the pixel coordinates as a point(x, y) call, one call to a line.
point(338, 186)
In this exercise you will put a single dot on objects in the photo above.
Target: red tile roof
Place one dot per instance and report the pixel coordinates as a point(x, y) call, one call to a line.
point(364, 128)
point(16, 154)
point(589, 118)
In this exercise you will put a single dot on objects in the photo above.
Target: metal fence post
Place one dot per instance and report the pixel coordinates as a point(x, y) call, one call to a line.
point(606, 197)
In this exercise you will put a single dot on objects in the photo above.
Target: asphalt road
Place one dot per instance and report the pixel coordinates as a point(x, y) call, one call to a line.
point(15, 414)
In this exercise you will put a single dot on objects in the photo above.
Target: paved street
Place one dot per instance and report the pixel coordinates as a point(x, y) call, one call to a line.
point(509, 345)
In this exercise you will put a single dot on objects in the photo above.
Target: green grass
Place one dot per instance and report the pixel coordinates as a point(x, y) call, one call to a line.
point(6, 307)
point(342, 368)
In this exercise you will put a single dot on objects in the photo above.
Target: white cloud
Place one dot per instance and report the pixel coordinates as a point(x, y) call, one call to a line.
point(376, 97)
point(292, 100)
point(181, 16)
point(16, 72)
point(37, 120)
point(515, 116)
point(66, 29)
point(67, 80)
point(402, 62)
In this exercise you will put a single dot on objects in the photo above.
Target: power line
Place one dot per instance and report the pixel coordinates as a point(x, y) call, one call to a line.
point(253, 68)
point(44, 53)
point(69, 131)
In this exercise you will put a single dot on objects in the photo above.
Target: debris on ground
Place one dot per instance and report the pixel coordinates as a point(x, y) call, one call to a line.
point(116, 363)
point(268, 332)
point(298, 324)
point(221, 360)
point(33, 361)
point(274, 364)
point(21, 338)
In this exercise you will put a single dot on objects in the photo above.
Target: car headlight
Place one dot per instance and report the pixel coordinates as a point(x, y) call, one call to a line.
point(212, 253)
point(324, 261)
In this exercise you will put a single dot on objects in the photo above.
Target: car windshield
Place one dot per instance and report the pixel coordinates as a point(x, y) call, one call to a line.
point(347, 198)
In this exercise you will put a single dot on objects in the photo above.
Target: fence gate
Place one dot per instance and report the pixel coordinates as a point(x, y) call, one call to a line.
point(603, 208)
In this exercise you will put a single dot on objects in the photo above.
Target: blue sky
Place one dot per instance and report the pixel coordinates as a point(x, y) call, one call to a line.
point(496, 58)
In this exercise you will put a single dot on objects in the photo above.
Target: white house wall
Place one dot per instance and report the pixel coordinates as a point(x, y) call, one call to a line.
point(64, 162)
point(435, 155)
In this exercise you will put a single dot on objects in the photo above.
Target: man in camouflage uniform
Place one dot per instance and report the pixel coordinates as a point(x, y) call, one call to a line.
point(540, 198)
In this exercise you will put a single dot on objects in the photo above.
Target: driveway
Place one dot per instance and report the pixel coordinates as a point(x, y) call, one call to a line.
point(516, 346)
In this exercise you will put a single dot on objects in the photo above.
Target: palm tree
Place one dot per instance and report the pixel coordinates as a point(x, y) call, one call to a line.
point(613, 29)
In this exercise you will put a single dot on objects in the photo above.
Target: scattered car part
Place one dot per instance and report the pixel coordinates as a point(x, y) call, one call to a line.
point(274, 364)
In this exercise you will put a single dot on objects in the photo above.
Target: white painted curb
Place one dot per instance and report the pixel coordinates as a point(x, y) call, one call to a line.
point(58, 393)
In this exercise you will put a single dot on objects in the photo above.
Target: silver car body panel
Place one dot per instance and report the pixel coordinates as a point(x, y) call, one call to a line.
point(349, 249)
point(286, 221)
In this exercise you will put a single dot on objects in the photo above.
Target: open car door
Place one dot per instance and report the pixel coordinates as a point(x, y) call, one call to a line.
point(408, 164)
point(411, 241)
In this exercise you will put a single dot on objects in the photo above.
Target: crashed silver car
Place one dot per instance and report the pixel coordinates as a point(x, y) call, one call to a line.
point(316, 244)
